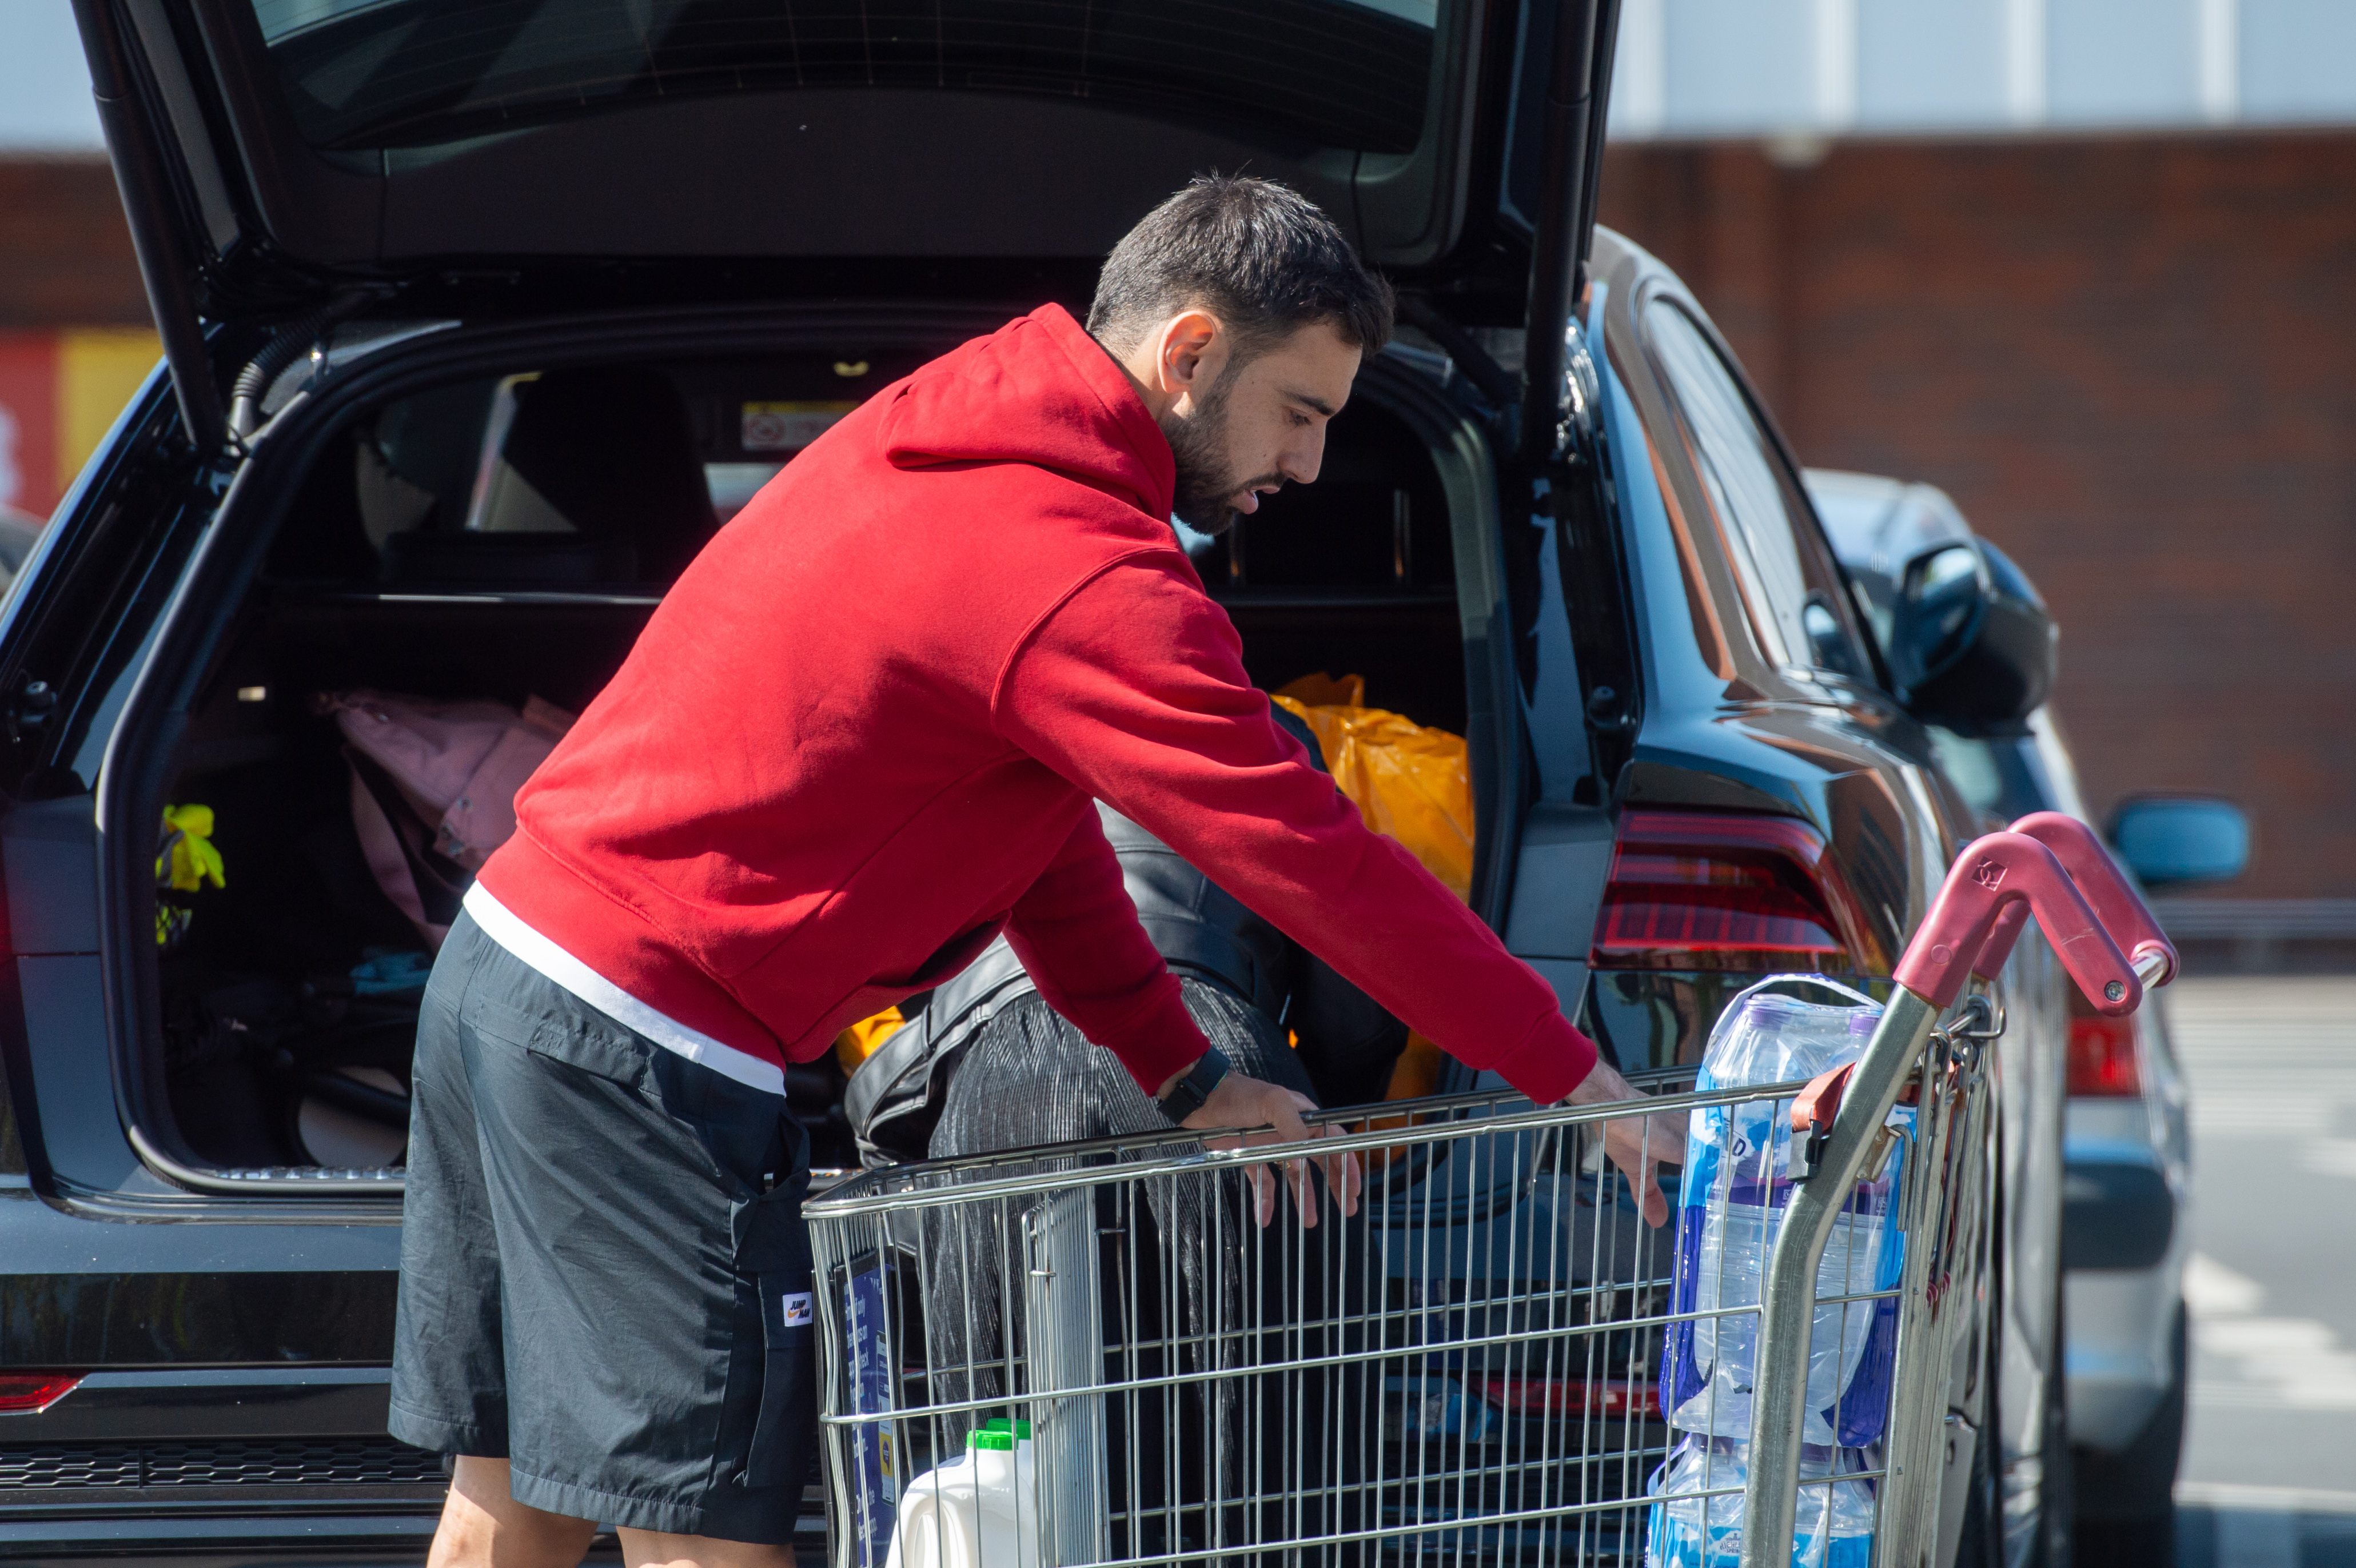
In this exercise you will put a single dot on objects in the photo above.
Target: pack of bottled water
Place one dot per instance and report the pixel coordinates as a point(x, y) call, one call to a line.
point(1736, 1190)
point(1697, 1520)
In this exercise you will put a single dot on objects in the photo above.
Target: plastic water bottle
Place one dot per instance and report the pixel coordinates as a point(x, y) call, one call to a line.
point(1832, 1527)
point(972, 1512)
point(1735, 1191)
point(1432, 1406)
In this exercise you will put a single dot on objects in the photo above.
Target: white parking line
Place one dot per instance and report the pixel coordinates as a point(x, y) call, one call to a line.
point(2249, 1362)
point(2258, 1527)
point(2269, 1058)
point(2270, 1077)
point(2265, 1113)
point(2212, 1290)
point(2223, 1495)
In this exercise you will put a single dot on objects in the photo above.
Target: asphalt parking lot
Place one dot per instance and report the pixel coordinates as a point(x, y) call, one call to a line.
point(2269, 1473)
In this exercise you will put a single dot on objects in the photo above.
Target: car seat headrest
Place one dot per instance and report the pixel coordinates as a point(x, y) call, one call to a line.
point(596, 475)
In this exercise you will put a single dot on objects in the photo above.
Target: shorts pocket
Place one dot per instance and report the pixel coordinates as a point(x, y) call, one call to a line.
point(784, 1430)
point(539, 1016)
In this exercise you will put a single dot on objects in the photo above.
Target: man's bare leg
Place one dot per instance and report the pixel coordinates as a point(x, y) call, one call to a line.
point(484, 1527)
point(649, 1549)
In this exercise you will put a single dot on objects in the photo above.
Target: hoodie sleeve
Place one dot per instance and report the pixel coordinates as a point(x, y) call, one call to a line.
point(1078, 934)
point(1133, 688)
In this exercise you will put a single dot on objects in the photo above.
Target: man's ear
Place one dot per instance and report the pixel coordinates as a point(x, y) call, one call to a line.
point(1191, 350)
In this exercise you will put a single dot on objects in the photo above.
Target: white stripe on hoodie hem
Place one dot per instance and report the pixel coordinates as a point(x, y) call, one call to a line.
point(507, 928)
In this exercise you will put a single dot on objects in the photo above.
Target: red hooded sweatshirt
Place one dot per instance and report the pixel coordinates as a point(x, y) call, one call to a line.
point(862, 734)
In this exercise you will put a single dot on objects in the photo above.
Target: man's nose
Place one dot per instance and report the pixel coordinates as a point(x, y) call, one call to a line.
point(1303, 458)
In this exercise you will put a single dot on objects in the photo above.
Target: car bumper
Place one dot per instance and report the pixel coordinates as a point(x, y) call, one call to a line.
point(233, 1464)
point(230, 1461)
point(2122, 1252)
point(181, 1532)
point(2118, 1366)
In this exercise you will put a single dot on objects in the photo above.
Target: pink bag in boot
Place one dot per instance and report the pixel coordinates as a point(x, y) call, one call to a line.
point(434, 788)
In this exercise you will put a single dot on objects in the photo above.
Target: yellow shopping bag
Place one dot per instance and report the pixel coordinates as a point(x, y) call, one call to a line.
point(1411, 783)
point(864, 1039)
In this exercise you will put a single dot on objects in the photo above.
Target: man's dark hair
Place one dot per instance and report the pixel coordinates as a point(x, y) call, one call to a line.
point(1266, 261)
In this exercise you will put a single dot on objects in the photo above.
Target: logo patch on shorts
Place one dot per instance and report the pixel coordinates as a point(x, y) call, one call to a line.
point(798, 1309)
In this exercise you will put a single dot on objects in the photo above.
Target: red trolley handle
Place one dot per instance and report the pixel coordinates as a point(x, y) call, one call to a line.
point(2124, 916)
point(1993, 874)
point(1994, 887)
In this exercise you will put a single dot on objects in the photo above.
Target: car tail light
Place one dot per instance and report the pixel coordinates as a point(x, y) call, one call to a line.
point(1714, 890)
point(28, 1393)
point(2102, 1054)
point(1576, 1396)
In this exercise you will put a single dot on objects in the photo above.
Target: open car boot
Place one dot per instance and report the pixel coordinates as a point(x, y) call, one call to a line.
point(463, 566)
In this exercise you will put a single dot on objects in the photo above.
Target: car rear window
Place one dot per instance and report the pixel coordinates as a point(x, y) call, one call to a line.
point(407, 73)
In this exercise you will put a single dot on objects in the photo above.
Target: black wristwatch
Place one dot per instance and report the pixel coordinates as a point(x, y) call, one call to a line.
point(1188, 1096)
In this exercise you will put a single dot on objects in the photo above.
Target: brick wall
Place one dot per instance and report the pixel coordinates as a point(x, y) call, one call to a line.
point(65, 254)
point(2133, 364)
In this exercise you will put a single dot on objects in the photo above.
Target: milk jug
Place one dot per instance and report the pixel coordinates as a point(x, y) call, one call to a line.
point(973, 1512)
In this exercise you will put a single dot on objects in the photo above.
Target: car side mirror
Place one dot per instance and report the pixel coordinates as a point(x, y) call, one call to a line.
point(2173, 840)
point(1971, 644)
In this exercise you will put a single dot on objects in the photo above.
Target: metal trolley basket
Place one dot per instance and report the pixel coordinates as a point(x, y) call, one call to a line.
point(1094, 1356)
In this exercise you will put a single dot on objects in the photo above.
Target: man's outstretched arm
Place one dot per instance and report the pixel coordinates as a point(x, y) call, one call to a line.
point(1134, 690)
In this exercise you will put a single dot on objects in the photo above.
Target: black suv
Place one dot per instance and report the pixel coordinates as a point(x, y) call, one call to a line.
point(481, 314)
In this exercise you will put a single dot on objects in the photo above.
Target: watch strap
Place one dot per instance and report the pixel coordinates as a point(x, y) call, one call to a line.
point(1189, 1095)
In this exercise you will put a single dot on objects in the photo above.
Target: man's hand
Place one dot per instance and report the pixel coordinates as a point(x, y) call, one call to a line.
point(1635, 1144)
point(1241, 1102)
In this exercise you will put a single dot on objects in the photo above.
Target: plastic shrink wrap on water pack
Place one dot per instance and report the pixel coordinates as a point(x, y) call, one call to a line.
point(1698, 1522)
point(1736, 1188)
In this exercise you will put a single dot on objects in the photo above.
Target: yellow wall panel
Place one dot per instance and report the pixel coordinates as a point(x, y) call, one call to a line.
point(99, 369)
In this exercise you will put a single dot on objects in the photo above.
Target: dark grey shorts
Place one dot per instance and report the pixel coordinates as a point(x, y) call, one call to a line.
point(605, 1277)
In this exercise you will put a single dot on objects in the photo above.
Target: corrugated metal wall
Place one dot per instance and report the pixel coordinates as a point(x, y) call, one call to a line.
point(1764, 68)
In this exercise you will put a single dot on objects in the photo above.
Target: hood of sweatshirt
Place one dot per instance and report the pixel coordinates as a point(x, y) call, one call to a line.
point(1038, 391)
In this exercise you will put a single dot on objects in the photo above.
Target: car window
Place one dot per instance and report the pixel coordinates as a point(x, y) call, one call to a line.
point(2057, 770)
point(365, 74)
point(2009, 776)
point(1795, 591)
point(1975, 769)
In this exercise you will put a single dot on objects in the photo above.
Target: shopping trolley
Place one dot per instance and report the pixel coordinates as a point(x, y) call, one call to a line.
point(1090, 1355)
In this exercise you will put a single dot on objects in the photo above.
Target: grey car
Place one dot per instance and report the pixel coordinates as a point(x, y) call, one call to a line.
point(2126, 1152)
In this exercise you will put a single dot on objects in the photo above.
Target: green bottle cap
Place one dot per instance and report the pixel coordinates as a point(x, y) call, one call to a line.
point(1004, 1442)
point(1021, 1429)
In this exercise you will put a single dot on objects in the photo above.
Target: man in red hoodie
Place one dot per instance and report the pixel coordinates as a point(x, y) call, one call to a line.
point(796, 805)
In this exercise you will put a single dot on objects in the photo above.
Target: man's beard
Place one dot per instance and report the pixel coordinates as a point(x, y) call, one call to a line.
point(1207, 481)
